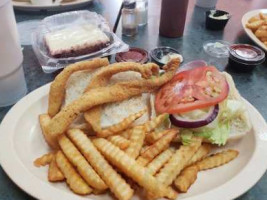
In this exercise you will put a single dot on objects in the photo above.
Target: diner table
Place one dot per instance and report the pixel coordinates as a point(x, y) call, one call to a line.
point(252, 85)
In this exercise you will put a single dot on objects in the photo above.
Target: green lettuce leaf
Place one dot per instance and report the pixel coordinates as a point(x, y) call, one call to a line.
point(218, 135)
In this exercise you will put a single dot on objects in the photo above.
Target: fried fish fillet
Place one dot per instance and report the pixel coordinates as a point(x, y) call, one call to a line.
point(113, 93)
point(57, 89)
point(102, 78)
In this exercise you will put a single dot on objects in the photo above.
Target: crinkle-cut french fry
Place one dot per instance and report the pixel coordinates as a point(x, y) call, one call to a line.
point(121, 126)
point(130, 167)
point(154, 136)
point(127, 133)
point(160, 145)
point(44, 159)
point(261, 33)
point(253, 19)
point(187, 177)
point(54, 173)
point(177, 162)
point(217, 159)
point(74, 180)
point(263, 39)
point(154, 123)
point(142, 161)
point(189, 174)
point(264, 27)
point(44, 120)
point(263, 16)
point(255, 25)
point(97, 192)
point(136, 142)
point(202, 152)
point(155, 165)
point(112, 93)
point(57, 88)
point(115, 182)
point(82, 166)
point(119, 141)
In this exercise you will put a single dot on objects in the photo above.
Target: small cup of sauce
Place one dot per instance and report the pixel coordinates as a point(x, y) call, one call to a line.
point(216, 19)
point(244, 57)
point(133, 55)
point(162, 55)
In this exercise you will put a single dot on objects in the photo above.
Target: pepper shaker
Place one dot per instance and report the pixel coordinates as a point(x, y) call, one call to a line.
point(129, 20)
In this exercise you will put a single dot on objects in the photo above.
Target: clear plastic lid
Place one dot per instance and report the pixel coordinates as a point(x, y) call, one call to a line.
point(217, 48)
point(68, 20)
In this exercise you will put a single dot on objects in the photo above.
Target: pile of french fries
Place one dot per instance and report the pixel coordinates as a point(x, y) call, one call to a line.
point(139, 157)
point(258, 25)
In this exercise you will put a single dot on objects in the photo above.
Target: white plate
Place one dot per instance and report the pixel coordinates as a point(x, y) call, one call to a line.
point(21, 142)
point(244, 21)
point(63, 6)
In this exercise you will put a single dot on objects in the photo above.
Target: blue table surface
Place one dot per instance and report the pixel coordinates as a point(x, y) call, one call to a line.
point(251, 85)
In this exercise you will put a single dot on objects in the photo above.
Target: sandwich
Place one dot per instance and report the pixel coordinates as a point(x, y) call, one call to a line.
point(204, 102)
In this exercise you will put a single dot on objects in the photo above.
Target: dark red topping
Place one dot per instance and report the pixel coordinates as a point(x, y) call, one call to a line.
point(133, 55)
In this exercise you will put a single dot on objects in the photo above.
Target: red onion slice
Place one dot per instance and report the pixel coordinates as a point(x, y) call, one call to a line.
point(208, 118)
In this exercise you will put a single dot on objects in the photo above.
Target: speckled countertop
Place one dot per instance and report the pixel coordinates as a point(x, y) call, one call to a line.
point(252, 85)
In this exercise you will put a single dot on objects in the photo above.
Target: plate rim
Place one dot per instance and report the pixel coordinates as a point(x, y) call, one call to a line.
point(249, 33)
point(20, 6)
point(32, 185)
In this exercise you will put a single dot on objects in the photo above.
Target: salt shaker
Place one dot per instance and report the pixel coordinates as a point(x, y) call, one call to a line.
point(129, 20)
point(12, 80)
point(141, 12)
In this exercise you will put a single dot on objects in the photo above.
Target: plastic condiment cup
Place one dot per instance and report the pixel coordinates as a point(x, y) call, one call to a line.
point(245, 57)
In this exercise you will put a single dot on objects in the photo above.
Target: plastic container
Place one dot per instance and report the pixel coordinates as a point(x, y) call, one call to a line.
point(66, 20)
point(244, 57)
point(217, 48)
point(216, 19)
point(133, 55)
point(159, 53)
point(12, 80)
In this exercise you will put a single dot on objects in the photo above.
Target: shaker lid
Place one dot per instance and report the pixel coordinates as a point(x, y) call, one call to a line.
point(130, 4)
point(246, 53)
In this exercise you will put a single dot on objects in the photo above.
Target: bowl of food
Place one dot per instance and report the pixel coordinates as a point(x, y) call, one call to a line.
point(216, 19)
point(255, 26)
point(245, 57)
point(162, 55)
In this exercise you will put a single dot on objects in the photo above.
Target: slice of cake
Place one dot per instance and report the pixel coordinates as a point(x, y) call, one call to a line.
point(76, 41)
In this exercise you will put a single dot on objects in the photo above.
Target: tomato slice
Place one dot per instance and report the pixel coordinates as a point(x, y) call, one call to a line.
point(193, 89)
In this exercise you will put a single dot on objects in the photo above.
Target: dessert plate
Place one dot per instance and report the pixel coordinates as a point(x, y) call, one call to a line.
point(250, 34)
point(21, 142)
point(62, 6)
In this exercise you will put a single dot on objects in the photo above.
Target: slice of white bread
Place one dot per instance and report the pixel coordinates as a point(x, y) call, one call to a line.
point(241, 125)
